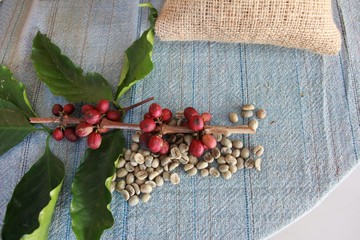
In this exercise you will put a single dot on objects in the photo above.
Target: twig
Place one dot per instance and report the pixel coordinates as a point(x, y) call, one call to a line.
point(106, 123)
point(64, 120)
point(163, 128)
point(138, 104)
point(241, 129)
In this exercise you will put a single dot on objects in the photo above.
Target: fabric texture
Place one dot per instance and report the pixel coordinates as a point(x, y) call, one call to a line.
point(305, 24)
point(311, 134)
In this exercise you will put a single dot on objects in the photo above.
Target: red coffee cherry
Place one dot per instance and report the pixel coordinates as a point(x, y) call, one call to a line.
point(144, 140)
point(92, 116)
point(196, 148)
point(94, 140)
point(189, 112)
point(155, 110)
point(57, 109)
point(147, 125)
point(196, 123)
point(166, 115)
point(113, 115)
point(155, 144)
point(86, 108)
point(58, 134)
point(70, 134)
point(209, 141)
point(103, 106)
point(83, 129)
point(148, 116)
point(69, 109)
point(206, 117)
point(165, 148)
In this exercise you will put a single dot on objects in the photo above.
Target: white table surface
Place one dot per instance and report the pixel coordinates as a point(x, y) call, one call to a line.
point(337, 217)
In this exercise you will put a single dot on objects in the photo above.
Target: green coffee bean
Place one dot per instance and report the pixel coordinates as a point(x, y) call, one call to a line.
point(188, 166)
point(227, 175)
point(166, 176)
point(245, 153)
point(121, 163)
point(229, 159)
point(130, 189)
point(223, 168)
point(148, 161)
point(225, 150)
point(122, 172)
point(159, 181)
point(261, 114)
point(236, 153)
point(217, 136)
point(192, 171)
point(136, 188)
point(226, 142)
point(133, 200)
point(136, 137)
point(258, 150)
point(204, 172)
point(173, 166)
point(221, 160)
point(141, 175)
point(246, 114)
point(153, 175)
point(165, 161)
point(253, 124)
point(125, 194)
point(233, 117)
point(145, 197)
point(146, 188)
point(134, 147)
point(240, 163)
point(250, 163)
point(130, 178)
point(127, 154)
point(215, 152)
point(202, 165)
point(155, 163)
point(237, 144)
point(214, 172)
point(151, 183)
point(183, 147)
point(258, 164)
point(174, 178)
point(247, 107)
point(233, 169)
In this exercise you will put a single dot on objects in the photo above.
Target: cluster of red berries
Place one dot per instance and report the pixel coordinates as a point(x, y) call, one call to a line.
point(60, 132)
point(196, 122)
point(90, 126)
point(152, 140)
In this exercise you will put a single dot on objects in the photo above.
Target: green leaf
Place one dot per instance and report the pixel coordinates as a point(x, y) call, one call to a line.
point(89, 209)
point(14, 91)
point(29, 212)
point(63, 78)
point(14, 126)
point(137, 61)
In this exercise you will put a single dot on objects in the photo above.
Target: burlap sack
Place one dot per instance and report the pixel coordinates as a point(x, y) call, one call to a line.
point(306, 24)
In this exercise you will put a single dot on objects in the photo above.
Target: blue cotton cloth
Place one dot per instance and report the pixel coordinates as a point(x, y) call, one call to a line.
point(311, 134)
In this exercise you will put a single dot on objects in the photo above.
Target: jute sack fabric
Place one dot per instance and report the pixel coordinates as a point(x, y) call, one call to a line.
point(305, 24)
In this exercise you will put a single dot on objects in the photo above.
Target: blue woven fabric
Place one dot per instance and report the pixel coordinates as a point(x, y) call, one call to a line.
point(311, 134)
